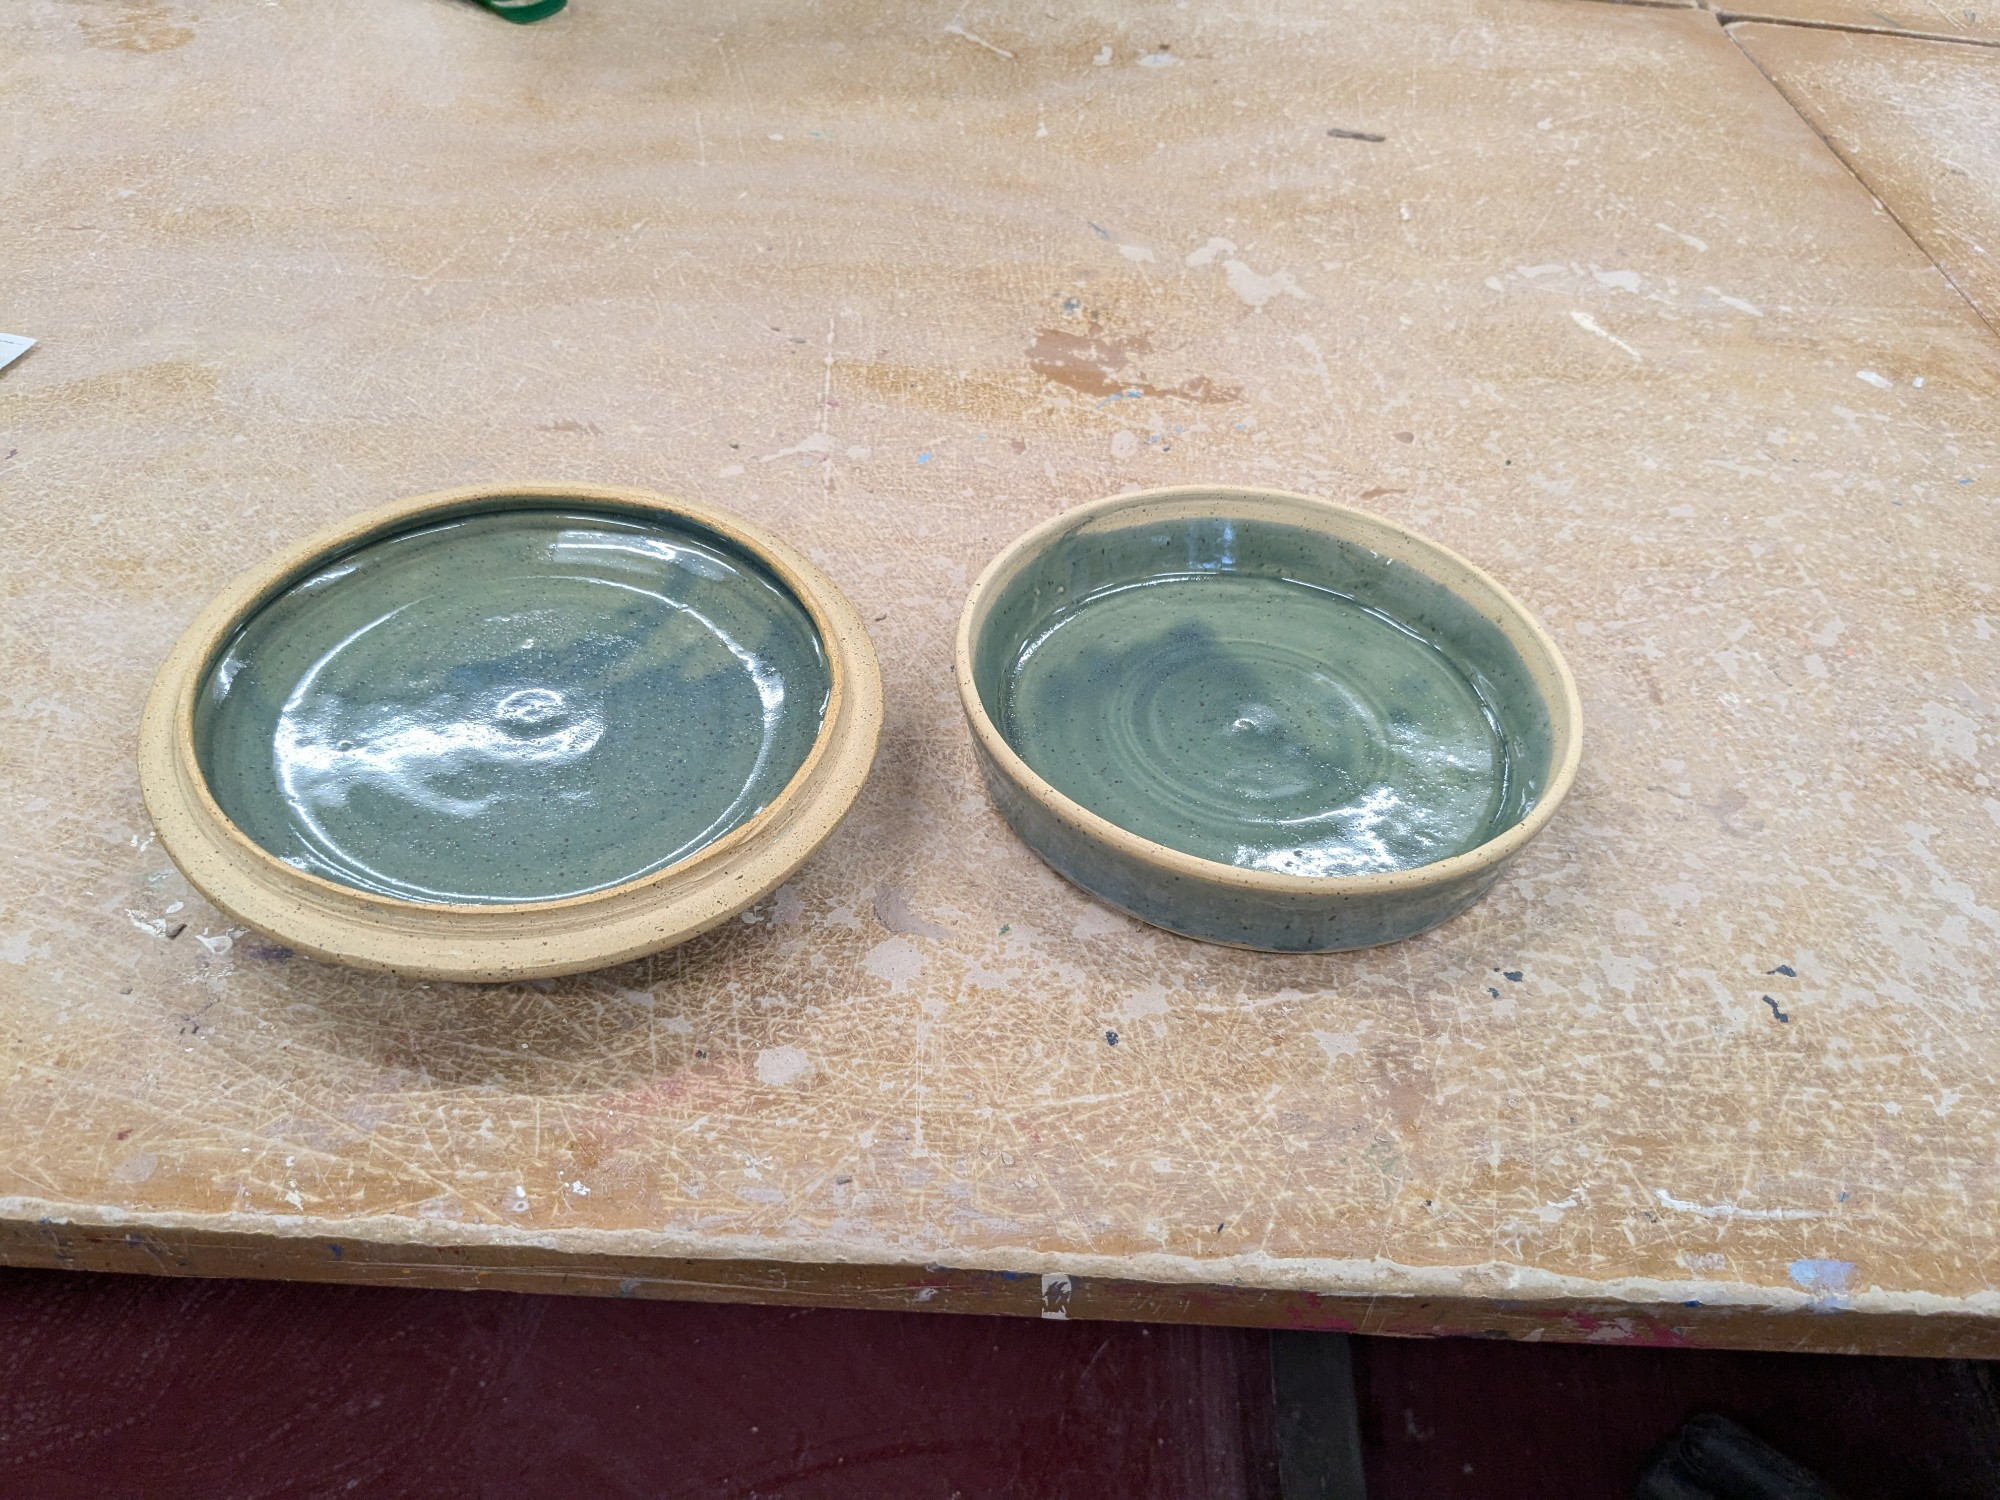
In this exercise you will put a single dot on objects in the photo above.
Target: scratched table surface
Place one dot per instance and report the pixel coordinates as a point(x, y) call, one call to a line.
point(1571, 287)
point(1973, 21)
point(1919, 122)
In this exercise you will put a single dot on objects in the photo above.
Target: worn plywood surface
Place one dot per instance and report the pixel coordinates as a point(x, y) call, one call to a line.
point(1600, 310)
point(1974, 21)
point(1919, 122)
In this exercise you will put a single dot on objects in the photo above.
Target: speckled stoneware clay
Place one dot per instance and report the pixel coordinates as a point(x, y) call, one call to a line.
point(1263, 719)
point(498, 733)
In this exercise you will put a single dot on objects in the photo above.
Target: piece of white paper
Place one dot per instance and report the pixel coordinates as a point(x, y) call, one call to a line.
point(12, 347)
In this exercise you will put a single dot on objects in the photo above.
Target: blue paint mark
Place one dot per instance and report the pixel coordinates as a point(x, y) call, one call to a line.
point(1826, 1280)
point(1131, 394)
point(629, 1287)
point(1785, 969)
point(923, 458)
point(1692, 1302)
point(336, 1252)
point(1111, 1038)
point(1101, 232)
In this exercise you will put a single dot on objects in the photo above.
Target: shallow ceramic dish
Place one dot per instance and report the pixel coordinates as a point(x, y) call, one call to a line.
point(510, 732)
point(1263, 719)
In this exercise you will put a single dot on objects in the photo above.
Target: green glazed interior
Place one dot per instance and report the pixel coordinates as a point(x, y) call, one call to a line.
point(518, 704)
point(1263, 695)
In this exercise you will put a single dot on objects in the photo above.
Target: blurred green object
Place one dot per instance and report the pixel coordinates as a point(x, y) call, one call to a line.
point(523, 11)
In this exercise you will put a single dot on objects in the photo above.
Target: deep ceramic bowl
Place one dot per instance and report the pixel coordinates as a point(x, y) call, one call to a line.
point(510, 732)
point(1261, 719)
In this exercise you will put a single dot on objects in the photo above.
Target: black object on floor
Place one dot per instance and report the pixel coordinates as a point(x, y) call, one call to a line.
point(1319, 1439)
point(1480, 1419)
point(1713, 1458)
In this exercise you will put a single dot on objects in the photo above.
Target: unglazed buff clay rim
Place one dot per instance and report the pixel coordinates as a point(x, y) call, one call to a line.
point(1471, 584)
point(513, 940)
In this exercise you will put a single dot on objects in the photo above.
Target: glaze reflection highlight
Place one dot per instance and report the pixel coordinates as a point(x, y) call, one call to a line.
point(515, 706)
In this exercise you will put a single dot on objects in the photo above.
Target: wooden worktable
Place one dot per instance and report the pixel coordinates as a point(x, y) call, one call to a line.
point(1715, 1063)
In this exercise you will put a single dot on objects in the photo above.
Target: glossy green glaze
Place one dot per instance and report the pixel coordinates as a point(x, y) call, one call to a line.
point(1261, 722)
point(1270, 697)
point(513, 705)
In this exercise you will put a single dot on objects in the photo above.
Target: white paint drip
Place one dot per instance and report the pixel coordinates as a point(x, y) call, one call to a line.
point(1952, 732)
point(819, 443)
point(1736, 302)
point(1256, 290)
point(895, 959)
point(1686, 239)
point(780, 1066)
point(1207, 254)
point(1732, 1211)
point(1337, 1044)
point(1957, 892)
point(1589, 324)
point(1880, 382)
point(978, 41)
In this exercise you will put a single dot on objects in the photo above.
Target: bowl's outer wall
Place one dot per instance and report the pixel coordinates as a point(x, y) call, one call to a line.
point(1274, 922)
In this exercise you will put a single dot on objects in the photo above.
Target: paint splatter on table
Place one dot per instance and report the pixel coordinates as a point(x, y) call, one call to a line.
point(1599, 309)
